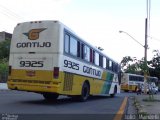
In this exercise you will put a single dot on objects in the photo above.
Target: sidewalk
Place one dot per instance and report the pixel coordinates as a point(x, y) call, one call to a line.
point(141, 108)
point(3, 86)
point(146, 106)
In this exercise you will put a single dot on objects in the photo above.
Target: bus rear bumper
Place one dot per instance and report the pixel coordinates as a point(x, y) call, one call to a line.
point(34, 88)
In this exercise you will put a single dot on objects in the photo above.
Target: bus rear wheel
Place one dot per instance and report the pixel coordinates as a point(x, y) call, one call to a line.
point(126, 90)
point(50, 96)
point(85, 92)
point(115, 91)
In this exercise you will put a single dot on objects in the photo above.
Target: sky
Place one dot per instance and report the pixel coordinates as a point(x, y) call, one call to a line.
point(96, 21)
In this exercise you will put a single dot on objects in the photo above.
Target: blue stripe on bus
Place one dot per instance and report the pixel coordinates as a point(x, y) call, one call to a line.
point(107, 83)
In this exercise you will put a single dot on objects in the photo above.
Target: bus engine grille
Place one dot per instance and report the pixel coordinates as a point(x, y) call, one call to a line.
point(68, 82)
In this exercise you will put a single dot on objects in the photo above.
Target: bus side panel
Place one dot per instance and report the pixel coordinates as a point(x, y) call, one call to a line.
point(75, 74)
point(111, 81)
point(72, 83)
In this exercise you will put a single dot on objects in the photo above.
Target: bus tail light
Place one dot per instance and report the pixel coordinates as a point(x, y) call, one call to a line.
point(56, 72)
point(10, 69)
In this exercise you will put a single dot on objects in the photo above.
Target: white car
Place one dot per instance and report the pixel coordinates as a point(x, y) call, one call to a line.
point(150, 88)
point(153, 88)
point(143, 90)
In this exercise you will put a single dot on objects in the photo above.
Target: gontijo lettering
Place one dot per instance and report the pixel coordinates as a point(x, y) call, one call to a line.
point(33, 44)
point(91, 71)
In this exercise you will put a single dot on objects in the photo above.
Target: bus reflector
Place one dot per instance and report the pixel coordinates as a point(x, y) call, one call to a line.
point(56, 72)
point(10, 69)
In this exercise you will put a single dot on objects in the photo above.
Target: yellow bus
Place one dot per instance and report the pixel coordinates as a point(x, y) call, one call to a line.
point(129, 82)
point(48, 58)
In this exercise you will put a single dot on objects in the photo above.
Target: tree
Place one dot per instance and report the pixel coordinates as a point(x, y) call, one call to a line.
point(3, 66)
point(4, 49)
point(154, 64)
point(126, 62)
point(131, 65)
point(4, 57)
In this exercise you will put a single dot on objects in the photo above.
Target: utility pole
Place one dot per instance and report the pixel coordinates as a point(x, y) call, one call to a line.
point(145, 56)
point(147, 27)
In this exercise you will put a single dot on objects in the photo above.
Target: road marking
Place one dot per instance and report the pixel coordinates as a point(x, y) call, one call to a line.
point(121, 110)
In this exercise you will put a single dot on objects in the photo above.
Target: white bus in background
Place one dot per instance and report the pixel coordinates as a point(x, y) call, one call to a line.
point(130, 82)
point(47, 57)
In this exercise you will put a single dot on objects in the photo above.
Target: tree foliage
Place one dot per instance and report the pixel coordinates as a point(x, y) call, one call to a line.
point(3, 66)
point(4, 49)
point(133, 65)
point(4, 56)
point(154, 64)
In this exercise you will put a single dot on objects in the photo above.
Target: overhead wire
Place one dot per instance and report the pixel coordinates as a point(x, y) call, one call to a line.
point(10, 14)
point(154, 38)
point(149, 17)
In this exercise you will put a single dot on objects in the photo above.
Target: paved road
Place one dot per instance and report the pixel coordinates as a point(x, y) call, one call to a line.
point(24, 103)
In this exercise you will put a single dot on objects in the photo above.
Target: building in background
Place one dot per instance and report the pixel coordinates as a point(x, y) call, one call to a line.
point(5, 36)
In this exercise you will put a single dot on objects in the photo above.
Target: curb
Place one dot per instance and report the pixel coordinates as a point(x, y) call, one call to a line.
point(4, 89)
point(121, 111)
